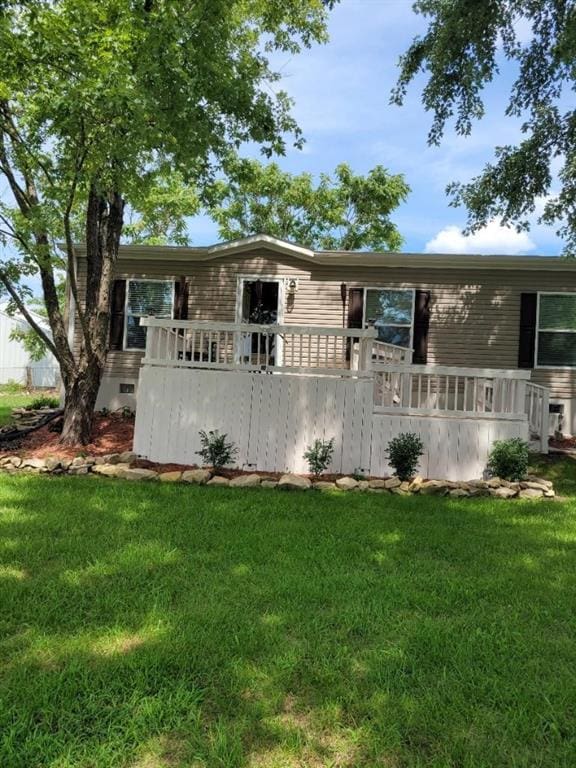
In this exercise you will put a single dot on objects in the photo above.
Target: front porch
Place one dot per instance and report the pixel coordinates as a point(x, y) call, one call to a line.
point(274, 389)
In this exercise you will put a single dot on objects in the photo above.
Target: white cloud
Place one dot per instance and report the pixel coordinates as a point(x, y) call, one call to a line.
point(491, 239)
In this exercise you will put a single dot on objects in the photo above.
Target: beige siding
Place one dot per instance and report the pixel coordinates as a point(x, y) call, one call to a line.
point(474, 313)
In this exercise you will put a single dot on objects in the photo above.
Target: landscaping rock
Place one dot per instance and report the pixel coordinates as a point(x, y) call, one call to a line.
point(246, 481)
point(392, 482)
point(457, 493)
point(196, 476)
point(539, 480)
point(113, 458)
point(33, 464)
point(363, 485)
point(269, 484)
point(376, 485)
point(399, 491)
point(79, 461)
point(65, 463)
point(531, 493)
point(52, 464)
point(79, 470)
point(110, 470)
point(218, 480)
point(324, 485)
point(170, 477)
point(127, 457)
point(346, 483)
point(494, 482)
point(294, 483)
point(435, 488)
point(13, 461)
point(503, 492)
point(416, 484)
point(139, 474)
point(538, 486)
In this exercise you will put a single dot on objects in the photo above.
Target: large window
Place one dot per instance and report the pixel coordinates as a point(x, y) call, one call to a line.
point(391, 313)
point(556, 336)
point(145, 298)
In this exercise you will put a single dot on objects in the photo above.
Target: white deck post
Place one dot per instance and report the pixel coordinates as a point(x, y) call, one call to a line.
point(544, 421)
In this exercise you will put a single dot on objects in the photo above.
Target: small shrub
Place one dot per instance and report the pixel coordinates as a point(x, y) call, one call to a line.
point(358, 474)
point(319, 455)
point(215, 451)
point(127, 412)
point(509, 459)
point(404, 452)
point(43, 402)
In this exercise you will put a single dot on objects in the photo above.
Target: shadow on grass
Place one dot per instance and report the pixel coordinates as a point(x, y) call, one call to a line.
point(152, 626)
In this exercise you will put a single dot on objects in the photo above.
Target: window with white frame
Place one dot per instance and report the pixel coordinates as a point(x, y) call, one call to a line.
point(145, 298)
point(556, 330)
point(391, 313)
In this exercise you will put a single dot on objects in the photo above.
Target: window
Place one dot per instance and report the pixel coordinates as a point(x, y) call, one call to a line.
point(556, 330)
point(143, 299)
point(391, 313)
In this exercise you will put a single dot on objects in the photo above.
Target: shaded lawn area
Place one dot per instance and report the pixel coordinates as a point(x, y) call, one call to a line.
point(9, 401)
point(155, 625)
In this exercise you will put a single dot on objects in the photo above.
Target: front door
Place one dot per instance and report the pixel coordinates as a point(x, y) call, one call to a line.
point(259, 303)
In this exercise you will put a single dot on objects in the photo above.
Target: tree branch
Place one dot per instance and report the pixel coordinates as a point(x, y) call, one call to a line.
point(25, 312)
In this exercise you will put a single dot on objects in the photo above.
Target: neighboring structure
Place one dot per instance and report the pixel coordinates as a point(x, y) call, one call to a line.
point(484, 312)
point(15, 362)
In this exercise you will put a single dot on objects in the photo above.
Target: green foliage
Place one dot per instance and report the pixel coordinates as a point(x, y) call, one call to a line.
point(215, 451)
point(343, 211)
point(404, 452)
point(115, 109)
point(12, 387)
point(509, 459)
point(43, 402)
point(461, 53)
point(319, 455)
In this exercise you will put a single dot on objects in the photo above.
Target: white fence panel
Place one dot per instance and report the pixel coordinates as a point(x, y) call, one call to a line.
point(454, 448)
point(271, 418)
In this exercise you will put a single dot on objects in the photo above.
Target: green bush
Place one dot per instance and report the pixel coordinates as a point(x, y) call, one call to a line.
point(215, 451)
point(404, 452)
point(319, 455)
point(43, 402)
point(509, 459)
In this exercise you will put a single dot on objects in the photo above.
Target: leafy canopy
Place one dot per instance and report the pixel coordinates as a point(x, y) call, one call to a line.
point(341, 212)
point(461, 53)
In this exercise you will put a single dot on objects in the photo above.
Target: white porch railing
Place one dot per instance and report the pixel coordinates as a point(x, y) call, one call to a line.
point(239, 346)
point(449, 391)
point(538, 410)
point(382, 352)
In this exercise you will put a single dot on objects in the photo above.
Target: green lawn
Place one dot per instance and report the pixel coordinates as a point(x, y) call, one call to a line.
point(9, 401)
point(149, 626)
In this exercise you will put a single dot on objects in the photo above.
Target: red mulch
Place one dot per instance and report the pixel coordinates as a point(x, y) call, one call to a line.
point(563, 443)
point(111, 434)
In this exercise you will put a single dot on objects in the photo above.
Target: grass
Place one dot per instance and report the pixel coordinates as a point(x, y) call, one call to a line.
point(156, 626)
point(10, 400)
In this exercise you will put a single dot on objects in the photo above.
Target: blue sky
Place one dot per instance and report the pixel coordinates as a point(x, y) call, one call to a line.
point(341, 92)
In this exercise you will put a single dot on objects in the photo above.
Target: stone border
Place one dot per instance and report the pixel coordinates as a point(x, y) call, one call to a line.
point(119, 465)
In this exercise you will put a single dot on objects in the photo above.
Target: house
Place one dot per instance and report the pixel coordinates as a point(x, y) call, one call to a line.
point(438, 336)
point(16, 364)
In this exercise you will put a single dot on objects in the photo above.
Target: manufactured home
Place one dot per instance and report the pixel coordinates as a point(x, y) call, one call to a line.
point(444, 325)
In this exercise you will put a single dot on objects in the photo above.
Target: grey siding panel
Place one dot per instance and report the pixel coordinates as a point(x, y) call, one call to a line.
point(474, 320)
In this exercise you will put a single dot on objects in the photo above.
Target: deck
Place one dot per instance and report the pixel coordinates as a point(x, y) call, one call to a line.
point(274, 389)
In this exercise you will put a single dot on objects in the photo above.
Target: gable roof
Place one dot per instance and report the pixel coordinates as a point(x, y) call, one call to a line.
point(343, 258)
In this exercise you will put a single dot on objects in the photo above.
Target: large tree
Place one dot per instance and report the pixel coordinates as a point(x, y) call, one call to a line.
point(462, 51)
point(112, 107)
point(344, 211)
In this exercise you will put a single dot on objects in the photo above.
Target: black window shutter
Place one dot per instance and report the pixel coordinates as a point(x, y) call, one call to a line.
point(181, 299)
point(527, 336)
point(355, 307)
point(117, 306)
point(421, 326)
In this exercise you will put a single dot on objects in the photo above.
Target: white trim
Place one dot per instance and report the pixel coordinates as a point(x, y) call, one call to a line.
point(550, 330)
point(240, 280)
point(392, 325)
point(254, 241)
point(143, 280)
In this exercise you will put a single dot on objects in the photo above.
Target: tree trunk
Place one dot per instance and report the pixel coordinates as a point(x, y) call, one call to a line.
point(80, 402)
